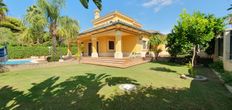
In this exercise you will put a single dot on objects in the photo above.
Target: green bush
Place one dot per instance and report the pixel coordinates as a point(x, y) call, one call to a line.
point(218, 66)
point(18, 52)
point(226, 76)
point(53, 58)
point(191, 70)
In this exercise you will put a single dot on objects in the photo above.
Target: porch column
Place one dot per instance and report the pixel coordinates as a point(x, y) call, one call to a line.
point(118, 45)
point(94, 47)
point(79, 47)
point(226, 44)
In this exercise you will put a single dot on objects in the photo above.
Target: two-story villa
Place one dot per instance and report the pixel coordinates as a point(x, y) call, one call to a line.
point(114, 35)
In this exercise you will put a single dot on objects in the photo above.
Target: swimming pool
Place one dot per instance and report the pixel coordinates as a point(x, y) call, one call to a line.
point(16, 62)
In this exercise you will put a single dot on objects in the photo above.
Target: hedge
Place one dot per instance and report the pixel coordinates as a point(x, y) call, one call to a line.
point(226, 75)
point(18, 52)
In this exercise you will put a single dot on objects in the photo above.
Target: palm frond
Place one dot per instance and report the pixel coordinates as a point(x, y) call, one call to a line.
point(98, 3)
point(230, 7)
point(85, 3)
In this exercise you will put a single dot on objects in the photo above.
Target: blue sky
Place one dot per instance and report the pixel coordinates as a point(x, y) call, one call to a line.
point(158, 15)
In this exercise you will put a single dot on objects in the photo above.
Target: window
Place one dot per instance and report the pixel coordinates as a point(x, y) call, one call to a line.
point(111, 45)
point(220, 46)
point(144, 44)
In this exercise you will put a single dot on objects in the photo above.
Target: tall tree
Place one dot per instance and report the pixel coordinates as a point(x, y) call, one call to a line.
point(14, 24)
point(197, 29)
point(51, 9)
point(177, 43)
point(3, 10)
point(68, 29)
point(36, 22)
point(218, 25)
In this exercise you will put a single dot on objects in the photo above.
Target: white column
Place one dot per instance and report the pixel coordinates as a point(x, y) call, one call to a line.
point(94, 47)
point(118, 45)
point(143, 51)
point(226, 43)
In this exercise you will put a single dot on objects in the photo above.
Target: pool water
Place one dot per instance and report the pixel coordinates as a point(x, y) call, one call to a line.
point(16, 62)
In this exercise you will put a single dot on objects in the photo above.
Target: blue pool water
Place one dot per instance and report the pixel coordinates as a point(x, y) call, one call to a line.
point(16, 62)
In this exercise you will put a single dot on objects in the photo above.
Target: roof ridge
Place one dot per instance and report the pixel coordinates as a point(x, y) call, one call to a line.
point(114, 23)
point(116, 11)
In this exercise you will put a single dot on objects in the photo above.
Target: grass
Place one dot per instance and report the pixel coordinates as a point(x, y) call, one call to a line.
point(89, 87)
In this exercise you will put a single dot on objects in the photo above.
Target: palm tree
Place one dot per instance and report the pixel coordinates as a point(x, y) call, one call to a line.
point(36, 22)
point(98, 3)
point(68, 29)
point(3, 10)
point(154, 44)
point(51, 9)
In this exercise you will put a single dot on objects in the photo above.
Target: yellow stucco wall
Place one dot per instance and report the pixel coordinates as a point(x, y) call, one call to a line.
point(103, 43)
point(116, 17)
point(131, 44)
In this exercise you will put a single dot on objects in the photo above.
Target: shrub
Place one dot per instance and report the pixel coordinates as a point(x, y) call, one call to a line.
point(181, 60)
point(18, 52)
point(205, 61)
point(218, 66)
point(53, 58)
point(226, 76)
point(191, 70)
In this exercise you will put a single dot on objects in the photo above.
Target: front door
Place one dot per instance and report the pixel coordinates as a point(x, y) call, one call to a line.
point(89, 49)
point(97, 47)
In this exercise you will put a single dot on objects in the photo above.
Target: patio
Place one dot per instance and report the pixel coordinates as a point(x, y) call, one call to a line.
point(112, 62)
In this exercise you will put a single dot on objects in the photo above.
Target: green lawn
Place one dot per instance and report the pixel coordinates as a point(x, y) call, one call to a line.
point(89, 87)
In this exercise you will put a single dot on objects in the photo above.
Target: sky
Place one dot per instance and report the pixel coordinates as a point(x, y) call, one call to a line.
point(160, 15)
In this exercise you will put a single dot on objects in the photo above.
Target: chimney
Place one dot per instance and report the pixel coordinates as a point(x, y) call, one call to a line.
point(97, 14)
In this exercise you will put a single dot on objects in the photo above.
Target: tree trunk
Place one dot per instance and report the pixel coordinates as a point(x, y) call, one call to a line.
point(194, 56)
point(54, 43)
point(53, 34)
point(69, 53)
point(156, 56)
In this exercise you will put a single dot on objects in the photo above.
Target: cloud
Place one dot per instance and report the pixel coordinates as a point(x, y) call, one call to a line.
point(157, 5)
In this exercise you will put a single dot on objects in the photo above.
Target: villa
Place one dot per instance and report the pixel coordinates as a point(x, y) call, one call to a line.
point(115, 35)
point(223, 49)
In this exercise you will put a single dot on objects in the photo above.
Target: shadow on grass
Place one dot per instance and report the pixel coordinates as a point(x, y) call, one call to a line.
point(162, 69)
point(3, 69)
point(81, 93)
point(168, 63)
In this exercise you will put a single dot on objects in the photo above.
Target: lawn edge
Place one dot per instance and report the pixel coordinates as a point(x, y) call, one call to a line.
point(228, 87)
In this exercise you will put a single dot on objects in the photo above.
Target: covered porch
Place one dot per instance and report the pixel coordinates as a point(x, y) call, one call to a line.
point(117, 41)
